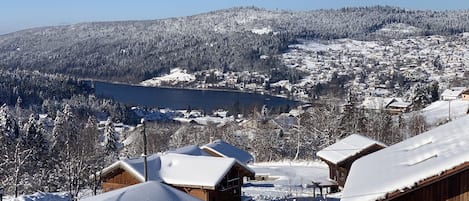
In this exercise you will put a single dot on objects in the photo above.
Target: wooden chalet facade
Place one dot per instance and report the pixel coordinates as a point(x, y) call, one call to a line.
point(340, 156)
point(224, 184)
point(432, 166)
point(452, 185)
point(228, 189)
point(116, 179)
point(339, 172)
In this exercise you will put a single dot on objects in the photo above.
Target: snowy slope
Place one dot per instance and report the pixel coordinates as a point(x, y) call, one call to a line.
point(404, 164)
point(175, 77)
point(438, 111)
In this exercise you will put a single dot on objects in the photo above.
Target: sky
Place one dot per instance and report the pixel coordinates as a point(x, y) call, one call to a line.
point(21, 14)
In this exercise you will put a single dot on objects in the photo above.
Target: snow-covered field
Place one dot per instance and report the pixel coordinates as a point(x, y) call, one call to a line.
point(175, 77)
point(439, 111)
point(285, 180)
point(40, 196)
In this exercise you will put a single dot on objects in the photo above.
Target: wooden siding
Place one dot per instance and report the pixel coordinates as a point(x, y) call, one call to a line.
point(465, 96)
point(233, 194)
point(118, 179)
point(196, 192)
point(339, 172)
point(453, 188)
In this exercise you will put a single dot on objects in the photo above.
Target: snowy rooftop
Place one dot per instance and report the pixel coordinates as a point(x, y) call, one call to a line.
point(399, 104)
point(438, 111)
point(185, 170)
point(224, 149)
point(346, 148)
point(149, 191)
point(179, 169)
point(377, 103)
point(404, 164)
point(192, 150)
point(453, 92)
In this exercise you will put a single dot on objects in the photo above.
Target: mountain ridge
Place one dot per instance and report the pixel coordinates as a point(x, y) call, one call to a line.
point(132, 51)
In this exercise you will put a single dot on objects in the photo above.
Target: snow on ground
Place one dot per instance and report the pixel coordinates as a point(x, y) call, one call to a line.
point(219, 121)
point(261, 31)
point(287, 179)
point(437, 112)
point(400, 28)
point(175, 77)
point(40, 196)
point(282, 83)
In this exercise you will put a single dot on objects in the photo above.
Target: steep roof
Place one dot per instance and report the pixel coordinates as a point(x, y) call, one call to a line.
point(148, 191)
point(192, 150)
point(346, 148)
point(224, 149)
point(399, 104)
point(406, 164)
point(377, 103)
point(134, 166)
point(186, 170)
point(179, 169)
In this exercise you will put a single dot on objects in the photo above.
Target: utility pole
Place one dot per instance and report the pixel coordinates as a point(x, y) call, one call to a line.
point(449, 110)
point(145, 162)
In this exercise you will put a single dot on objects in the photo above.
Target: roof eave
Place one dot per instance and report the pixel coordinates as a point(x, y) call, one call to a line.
point(428, 181)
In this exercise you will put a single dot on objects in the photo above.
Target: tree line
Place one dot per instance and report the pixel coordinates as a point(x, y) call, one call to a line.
point(133, 51)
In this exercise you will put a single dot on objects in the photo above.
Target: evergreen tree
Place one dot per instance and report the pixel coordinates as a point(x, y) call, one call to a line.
point(9, 129)
point(111, 138)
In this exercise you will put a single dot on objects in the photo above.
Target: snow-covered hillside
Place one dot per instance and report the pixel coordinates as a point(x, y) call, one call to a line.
point(175, 77)
point(439, 111)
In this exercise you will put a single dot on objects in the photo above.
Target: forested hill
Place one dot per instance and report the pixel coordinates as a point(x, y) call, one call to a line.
point(232, 39)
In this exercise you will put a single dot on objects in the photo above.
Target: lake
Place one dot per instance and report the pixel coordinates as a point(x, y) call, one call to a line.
point(174, 98)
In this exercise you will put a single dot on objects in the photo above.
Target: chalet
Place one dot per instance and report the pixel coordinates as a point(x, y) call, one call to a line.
point(397, 107)
point(220, 148)
point(465, 95)
point(452, 93)
point(431, 166)
point(205, 177)
point(150, 191)
point(340, 155)
point(392, 105)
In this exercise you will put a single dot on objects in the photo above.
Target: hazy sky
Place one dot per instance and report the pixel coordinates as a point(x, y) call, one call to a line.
point(21, 14)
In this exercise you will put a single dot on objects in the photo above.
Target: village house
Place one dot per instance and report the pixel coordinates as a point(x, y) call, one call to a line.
point(204, 177)
point(391, 105)
point(220, 148)
point(432, 166)
point(397, 107)
point(452, 93)
point(340, 155)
